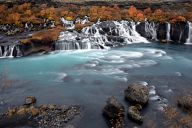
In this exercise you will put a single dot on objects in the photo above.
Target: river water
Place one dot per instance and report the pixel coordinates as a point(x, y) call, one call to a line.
point(88, 77)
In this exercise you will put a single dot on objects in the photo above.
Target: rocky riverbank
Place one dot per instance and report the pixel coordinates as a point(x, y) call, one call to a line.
point(137, 96)
point(42, 116)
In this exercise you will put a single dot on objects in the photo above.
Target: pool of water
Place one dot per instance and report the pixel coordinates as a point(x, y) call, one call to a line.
point(89, 77)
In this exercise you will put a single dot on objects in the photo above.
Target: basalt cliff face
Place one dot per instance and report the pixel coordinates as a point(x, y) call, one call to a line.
point(28, 28)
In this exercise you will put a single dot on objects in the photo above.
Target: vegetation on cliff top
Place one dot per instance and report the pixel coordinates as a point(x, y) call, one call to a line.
point(26, 13)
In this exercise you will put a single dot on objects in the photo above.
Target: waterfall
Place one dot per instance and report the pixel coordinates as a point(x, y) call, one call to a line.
point(168, 31)
point(82, 21)
point(151, 30)
point(10, 51)
point(189, 39)
point(18, 51)
point(67, 24)
point(101, 35)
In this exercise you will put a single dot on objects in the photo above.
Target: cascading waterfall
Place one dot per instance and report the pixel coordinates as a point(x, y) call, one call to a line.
point(82, 21)
point(7, 51)
point(18, 51)
point(151, 30)
point(189, 39)
point(100, 35)
point(168, 31)
point(67, 24)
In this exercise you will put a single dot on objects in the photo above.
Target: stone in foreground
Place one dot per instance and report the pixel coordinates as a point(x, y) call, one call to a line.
point(137, 93)
point(114, 113)
point(30, 100)
point(134, 114)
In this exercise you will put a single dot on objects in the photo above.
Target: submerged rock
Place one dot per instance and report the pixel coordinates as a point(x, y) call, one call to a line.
point(114, 113)
point(137, 93)
point(30, 100)
point(185, 102)
point(134, 114)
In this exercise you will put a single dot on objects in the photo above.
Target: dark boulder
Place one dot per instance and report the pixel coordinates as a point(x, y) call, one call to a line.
point(134, 114)
point(185, 102)
point(137, 93)
point(114, 113)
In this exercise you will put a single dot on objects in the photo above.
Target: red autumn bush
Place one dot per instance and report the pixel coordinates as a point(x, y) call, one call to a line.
point(132, 11)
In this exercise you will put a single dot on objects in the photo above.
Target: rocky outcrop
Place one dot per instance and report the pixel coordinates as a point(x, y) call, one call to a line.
point(137, 94)
point(39, 116)
point(157, 31)
point(114, 113)
point(179, 32)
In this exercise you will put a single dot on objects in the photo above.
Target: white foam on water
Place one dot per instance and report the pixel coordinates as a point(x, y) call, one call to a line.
point(110, 71)
point(152, 90)
point(119, 78)
point(61, 76)
point(155, 98)
point(144, 83)
point(167, 58)
point(153, 52)
point(178, 74)
point(91, 65)
point(146, 63)
point(169, 91)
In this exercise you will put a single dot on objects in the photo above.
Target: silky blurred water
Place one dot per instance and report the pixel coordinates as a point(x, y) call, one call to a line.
point(89, 77)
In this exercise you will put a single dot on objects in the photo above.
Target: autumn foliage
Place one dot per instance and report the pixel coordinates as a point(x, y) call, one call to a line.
point(27, 13)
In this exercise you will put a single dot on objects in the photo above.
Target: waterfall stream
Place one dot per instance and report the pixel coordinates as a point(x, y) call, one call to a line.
point(101, 35)
point(10, 51)
point(168, 31)
point(151, 30)
point(189, 39)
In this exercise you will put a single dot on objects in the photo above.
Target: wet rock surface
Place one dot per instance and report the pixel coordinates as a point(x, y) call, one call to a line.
point(134, 114)
point(185, 102)
point(114, 113)
point(39, 116)
point(137, 93)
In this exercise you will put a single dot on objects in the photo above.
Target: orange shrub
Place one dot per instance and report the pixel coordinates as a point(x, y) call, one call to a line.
point(24, 7)
point(140, 17)
point(2, 8)
point(13, 18)
point(28, 13)
point(132, 11)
